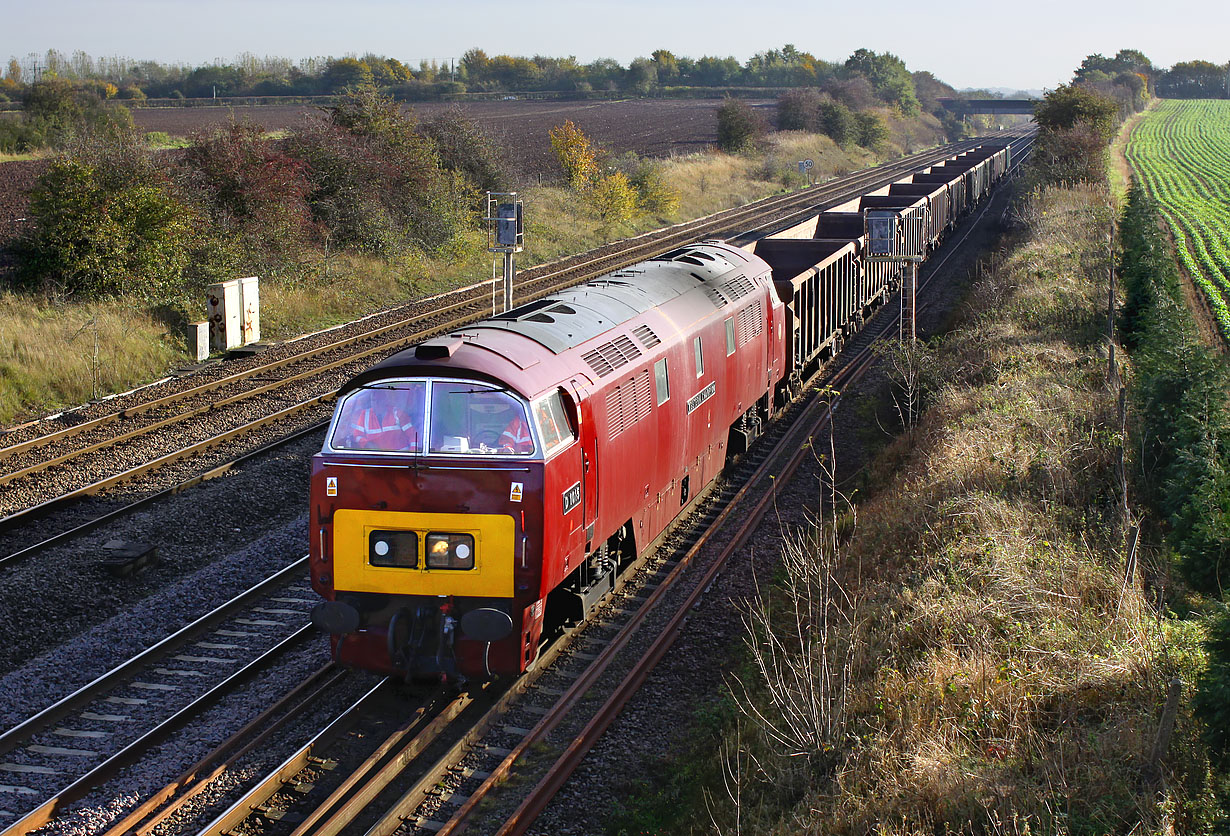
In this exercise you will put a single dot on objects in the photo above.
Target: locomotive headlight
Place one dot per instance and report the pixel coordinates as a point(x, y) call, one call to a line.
point(393, 549)
point(450, 551)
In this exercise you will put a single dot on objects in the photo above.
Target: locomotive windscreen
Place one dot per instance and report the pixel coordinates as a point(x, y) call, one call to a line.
point(453, 416)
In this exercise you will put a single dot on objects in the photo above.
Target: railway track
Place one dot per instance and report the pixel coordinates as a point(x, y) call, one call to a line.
point(44, 472)
point(513, 807)
point(118, 718)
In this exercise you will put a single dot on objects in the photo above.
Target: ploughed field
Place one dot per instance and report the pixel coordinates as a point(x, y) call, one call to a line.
point(1180, 154)
point(656, 128)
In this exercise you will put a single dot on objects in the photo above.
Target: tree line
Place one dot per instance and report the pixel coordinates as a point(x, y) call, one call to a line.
point(473, 72)
point(1185, 80)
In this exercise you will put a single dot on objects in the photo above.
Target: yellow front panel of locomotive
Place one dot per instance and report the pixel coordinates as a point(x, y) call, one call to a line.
point(492, 575)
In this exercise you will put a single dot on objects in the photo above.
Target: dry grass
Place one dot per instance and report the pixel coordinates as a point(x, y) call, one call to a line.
point(54, 355)
point(709, 183)
point(25, 155)
point(1008, 680)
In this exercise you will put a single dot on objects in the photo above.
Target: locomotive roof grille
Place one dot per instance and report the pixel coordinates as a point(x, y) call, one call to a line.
point(647, 337)
point(524, 311)
point(738, 287)
point(608, 357)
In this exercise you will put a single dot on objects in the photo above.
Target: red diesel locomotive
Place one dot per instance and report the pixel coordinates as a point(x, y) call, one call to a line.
point(475, 484)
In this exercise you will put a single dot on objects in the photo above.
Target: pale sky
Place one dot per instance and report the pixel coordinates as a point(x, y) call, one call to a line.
point(967, 43)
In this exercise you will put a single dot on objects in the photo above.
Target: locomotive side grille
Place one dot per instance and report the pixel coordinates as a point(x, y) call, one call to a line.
point(608, 357)
point(647, 337)
point(642, 395)
point(628, 403)
point(715, 296)
point(738, 287)
point(615, 413)
point(751, 323)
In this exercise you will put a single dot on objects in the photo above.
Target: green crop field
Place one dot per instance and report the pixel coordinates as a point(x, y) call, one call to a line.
point(1180, 154)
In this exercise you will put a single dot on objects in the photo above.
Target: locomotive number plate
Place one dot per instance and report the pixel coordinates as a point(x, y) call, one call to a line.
point(700, 397)
point(572, 497)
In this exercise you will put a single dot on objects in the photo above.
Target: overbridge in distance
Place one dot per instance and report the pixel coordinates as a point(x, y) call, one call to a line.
point(995, 107)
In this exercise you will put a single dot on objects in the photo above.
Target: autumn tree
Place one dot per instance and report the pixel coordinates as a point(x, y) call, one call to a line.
point(616, 191)
point(576, 154)
point(255, 197)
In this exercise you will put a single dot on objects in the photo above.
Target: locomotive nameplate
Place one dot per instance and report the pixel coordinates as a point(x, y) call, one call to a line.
point(572, 497)
point(694, 402)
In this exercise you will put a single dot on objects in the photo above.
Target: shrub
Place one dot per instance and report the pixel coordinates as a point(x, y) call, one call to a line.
point(376, 183)
point(1212, 700)
point(653, 194)
point(255, 196)
point(576, 154)
point(1181, 399)
point(614, 198)
point(872, 132)
point(107, 221)
point(1070, 105)
point(739, 127)
point(838, 122)
point(464, 147)
point(58, 112)
point(17, 137)
point(799, 110)
point(1068, 156)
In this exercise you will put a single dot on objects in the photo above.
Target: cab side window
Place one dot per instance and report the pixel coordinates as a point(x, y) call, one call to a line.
point(553, 426)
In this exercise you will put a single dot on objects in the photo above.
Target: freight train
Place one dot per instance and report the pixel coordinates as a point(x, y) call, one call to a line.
point(480, 489)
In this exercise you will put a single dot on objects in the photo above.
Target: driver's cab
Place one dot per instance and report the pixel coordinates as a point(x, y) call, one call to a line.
point(437, 416)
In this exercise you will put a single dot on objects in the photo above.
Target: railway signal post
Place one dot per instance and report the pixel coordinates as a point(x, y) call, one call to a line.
point(506, 234)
